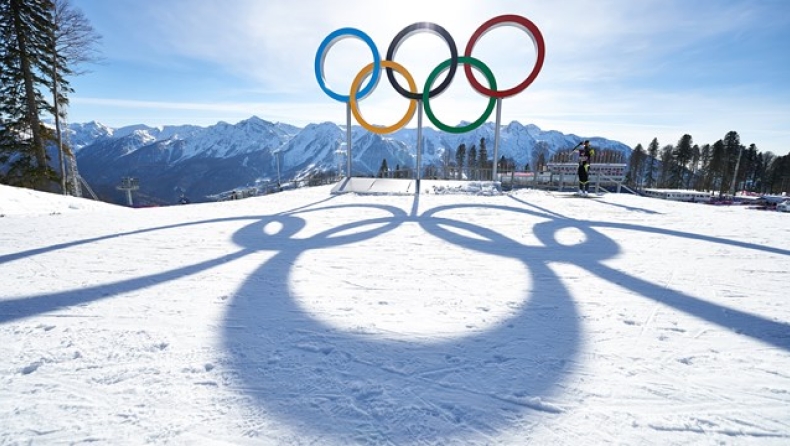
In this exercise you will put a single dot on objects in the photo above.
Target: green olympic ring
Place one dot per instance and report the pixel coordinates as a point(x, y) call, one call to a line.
point(439, 70)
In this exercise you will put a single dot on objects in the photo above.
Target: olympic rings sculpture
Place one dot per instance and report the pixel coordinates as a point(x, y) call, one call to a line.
point(373, 71)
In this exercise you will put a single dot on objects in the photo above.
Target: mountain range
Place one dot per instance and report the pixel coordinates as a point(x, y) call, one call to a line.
point(202, 163)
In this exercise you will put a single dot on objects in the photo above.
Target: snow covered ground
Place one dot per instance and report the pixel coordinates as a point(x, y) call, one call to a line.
point(441, 319)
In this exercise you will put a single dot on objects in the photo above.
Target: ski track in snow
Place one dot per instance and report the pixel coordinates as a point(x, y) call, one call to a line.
point(303, 318)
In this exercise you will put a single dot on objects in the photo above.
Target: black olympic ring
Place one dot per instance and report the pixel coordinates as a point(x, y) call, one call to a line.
point(413, 29)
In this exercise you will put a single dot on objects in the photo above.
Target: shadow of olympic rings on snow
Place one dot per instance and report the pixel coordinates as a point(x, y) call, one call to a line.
point(597, 248)
point(760, 328)
point(338, 383)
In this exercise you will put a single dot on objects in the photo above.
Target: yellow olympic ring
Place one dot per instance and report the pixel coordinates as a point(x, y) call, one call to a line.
point(352, 99)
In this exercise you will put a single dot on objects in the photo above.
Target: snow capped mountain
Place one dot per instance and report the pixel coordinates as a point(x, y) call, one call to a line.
point(81, 135)
point(160, 133)
point(203, 161)
point(226, 140)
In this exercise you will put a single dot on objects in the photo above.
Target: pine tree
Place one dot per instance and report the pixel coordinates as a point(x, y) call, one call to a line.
point(693, 179)
point(749, 167)
point(472, 162)
point(717, 167)
point(732, 153)
point(667, 167)
point(383, 170)
point(482, 155)
point(460, 156)
point(681, 155)
point(504, 164)
point(765, 178)
point(635, 166)
point(652, 151)
point(27, 30)
point(780, 175)
point(706, 158)
point(760, 168)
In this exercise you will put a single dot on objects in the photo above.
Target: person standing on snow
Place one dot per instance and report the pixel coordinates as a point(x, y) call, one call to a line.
point(585, 155)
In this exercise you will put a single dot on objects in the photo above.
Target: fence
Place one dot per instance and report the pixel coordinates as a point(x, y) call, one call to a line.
point(559, 176)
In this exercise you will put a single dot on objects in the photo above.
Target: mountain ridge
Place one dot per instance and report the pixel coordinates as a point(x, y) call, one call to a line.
point(201, 162)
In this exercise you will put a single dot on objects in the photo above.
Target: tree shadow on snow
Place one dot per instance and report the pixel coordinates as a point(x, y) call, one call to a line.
point(29, 306)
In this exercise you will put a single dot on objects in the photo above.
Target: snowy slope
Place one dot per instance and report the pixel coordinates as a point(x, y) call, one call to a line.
point(15, 201)
point(306, 318)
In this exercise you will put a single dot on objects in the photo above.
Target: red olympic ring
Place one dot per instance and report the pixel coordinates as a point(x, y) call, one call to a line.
point(537, 39)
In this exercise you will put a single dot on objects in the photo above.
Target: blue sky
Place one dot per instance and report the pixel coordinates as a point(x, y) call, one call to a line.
point(620, 69)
